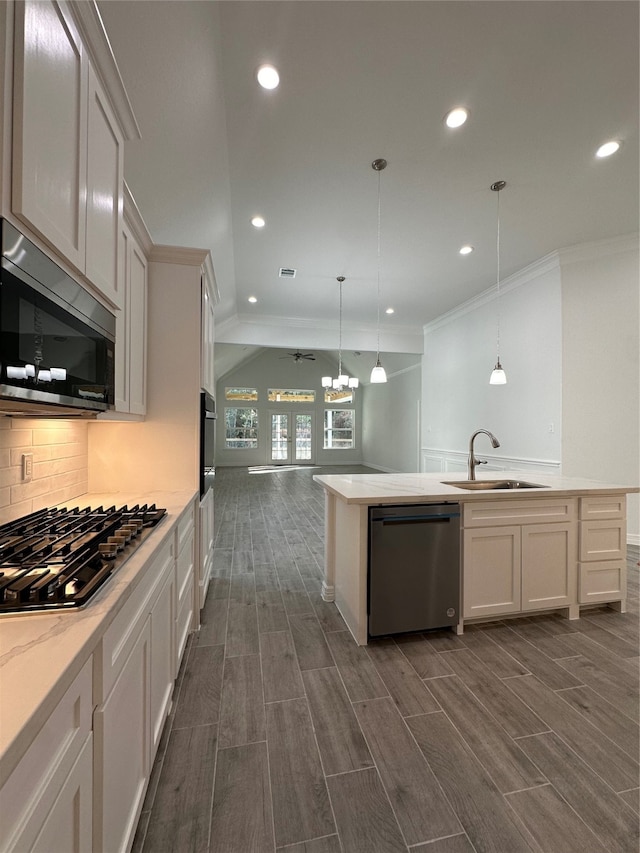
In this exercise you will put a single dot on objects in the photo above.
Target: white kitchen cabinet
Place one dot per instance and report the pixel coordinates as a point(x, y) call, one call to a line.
point(50, 104)
point(207, 335)
point(163, 642)
point(69, 129)
point(105, 170)
point(602, 570)
point(131, 320)
point(122, 758)
point(205, 563)
point(549, 566)
point(492, 571)
point(186, 581)
point(47, 799)
point(511, 568)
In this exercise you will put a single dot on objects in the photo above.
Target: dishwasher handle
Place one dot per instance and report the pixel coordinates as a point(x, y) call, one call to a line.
point(415, 519)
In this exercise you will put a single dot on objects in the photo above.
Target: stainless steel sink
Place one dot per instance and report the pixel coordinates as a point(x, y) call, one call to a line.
point(481, 485)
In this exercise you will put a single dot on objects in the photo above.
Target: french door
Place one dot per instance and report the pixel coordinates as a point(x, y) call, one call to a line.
point(291, 437)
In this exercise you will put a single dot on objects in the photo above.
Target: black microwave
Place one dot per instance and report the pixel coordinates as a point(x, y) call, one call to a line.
point(56, 339)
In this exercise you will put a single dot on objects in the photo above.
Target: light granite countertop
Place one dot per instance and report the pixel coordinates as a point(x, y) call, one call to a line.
point(41, 653)
point(371, 489)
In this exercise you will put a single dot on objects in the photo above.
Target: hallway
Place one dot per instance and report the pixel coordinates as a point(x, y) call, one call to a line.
point(520, 735)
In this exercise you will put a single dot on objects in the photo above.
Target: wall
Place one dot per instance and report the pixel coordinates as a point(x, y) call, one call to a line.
point(60, 465)
point(601, 358)
point(271, 368)
point(460, 351)
point(391, 422)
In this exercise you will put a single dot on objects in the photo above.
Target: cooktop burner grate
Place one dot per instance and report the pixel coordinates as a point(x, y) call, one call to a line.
point(58, 558)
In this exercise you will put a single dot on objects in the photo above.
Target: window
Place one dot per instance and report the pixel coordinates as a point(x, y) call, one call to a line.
point(241, 429)
point(241, 394)
point(291, 395)
point(338, 429)
point(333, 396)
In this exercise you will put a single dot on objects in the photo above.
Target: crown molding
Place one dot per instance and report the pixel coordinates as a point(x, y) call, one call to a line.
point(538, 268)
point(134, 220)
point(599, 249)
point(179, 255)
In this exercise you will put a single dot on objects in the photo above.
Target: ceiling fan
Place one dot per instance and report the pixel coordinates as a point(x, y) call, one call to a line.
point(299, 356)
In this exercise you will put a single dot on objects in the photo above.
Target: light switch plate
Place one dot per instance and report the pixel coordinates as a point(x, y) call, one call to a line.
point(27, 466)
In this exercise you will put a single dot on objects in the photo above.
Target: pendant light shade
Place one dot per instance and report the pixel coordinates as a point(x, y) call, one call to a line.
point(378, 374)
point(498, 376)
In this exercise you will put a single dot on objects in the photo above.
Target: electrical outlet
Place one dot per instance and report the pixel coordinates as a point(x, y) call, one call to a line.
point(27, 466)
point(551, 428)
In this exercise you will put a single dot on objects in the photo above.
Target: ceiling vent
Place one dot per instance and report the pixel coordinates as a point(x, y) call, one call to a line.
point(287, 272)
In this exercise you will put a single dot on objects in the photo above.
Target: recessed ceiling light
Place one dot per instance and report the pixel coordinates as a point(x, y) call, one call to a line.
point(390, 311)
point(456, 117)
point(252, 299)
point(465, 250)
point(268, 77)
point(258, 222)
point(608, 149)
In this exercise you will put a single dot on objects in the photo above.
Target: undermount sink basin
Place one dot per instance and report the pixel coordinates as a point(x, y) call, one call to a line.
point(481, 485)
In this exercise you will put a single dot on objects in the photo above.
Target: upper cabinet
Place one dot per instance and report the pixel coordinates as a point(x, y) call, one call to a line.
point(71, 116)
point(210, 297)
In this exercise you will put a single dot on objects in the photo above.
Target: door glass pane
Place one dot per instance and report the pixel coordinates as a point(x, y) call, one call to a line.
point(279, 443)
point(303, 437)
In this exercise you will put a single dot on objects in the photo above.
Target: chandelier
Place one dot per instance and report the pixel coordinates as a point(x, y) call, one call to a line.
point(341, 381)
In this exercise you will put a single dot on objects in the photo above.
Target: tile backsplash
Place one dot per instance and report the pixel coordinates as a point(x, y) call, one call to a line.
point(60, 464)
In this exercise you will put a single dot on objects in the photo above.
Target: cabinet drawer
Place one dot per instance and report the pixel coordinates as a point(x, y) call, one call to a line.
point(121, 635)
point(30, 792)
point(602, 581)
point(603, 506)
point(495, 513)
point(603, 540)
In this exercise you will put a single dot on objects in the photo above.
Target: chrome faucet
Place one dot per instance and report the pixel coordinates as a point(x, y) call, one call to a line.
point(472, 459)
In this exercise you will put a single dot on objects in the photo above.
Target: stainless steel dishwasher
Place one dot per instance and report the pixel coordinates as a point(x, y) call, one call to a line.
point(414, 568)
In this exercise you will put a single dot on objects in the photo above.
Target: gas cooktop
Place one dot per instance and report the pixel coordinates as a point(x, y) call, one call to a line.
point(58, 558)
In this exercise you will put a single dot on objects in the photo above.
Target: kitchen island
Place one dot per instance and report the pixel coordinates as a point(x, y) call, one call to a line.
point(560, 545)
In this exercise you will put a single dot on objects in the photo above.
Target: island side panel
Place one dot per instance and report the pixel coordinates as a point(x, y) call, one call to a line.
point(328, 584)
point(350, 562)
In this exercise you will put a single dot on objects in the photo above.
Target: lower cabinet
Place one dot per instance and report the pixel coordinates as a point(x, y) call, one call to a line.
point(47, 800)
point(205, 562)
point(511, 568)
point(602, 570)
point(122, 751)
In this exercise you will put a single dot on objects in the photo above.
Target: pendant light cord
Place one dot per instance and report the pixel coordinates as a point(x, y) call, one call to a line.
point(498, 278)
point(378, 261)
point(340, 280)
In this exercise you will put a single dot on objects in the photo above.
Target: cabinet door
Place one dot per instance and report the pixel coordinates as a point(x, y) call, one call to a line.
point(137, 308)
point(105, 160)
point(162, 672)
point(121, 732)
point(207, 333)
point(131, 329)
point(68, 825)
point(491, 560)
point(50, 127)
point(549, 566)
point(206, 546)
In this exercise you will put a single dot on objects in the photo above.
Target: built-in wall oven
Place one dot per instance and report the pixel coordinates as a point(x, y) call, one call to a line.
point(56, 339)
point(207, 441)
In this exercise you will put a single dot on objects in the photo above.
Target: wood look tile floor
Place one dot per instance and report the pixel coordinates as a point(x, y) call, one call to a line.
point(520, 735)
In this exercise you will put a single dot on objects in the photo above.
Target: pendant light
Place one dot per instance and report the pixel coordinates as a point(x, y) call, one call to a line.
point(342, 381)
point(498, 376)
point(378, 374)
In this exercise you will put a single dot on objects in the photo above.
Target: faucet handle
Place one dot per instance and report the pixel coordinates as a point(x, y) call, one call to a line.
point(481, 461)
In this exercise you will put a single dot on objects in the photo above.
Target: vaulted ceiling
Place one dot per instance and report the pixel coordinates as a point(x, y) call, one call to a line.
point(545, 83)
